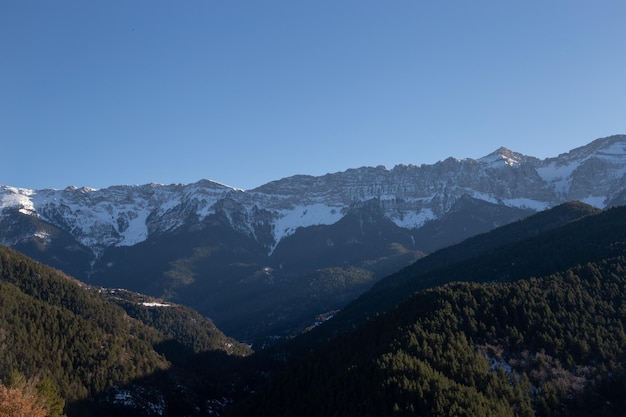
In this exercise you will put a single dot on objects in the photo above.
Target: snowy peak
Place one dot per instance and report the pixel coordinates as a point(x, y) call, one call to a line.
point(503, 157)
point(594, 173)
point(610, 149)
point(408, 195)
point(117, 215)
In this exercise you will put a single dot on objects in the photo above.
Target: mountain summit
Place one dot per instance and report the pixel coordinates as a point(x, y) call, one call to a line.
point(409, 195)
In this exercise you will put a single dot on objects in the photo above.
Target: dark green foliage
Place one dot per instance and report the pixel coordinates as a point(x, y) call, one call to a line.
point(535, 347)
point(50, 397)
point(182, 324)
point(49, 324)
point(81, 349)
point(550, 346)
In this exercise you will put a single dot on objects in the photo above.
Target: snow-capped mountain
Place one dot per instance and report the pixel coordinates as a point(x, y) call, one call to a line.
point(371, 218)
point(118, 215)
point(409, 195)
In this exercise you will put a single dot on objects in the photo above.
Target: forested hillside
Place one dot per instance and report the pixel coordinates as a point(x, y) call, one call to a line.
point(546, 242)
point(526, 320)
point(550, 346)
point(51, 325)
point(534, 325)
point(86, 350)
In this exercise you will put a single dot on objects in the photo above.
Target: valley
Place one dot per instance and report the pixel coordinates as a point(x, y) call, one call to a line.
point(490, 285)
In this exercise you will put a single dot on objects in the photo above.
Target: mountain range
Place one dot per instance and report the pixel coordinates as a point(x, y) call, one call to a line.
point(358, 317)
point(272, 261)
point(526, 320)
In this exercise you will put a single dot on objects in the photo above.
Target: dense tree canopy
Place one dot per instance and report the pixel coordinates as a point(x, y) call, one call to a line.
point(545, 346)
point(67, 342)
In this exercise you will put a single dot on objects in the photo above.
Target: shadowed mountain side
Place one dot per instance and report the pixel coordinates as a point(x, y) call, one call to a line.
point(549, 346)
point(543, 243)
point(45, 242)
point(265, 263)
point(196, 385)
point(52, 326)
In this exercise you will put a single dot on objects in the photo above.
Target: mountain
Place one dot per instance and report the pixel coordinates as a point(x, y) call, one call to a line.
point(524, 325)
point(510, 252)
point(266, 262)
point(146, 358)
point(527, 319)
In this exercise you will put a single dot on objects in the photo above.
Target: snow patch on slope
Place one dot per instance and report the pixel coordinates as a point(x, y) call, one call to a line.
point(413, 220)
point(613, 153)
point(304, 216)
point(17, 197)
point(596, 201)
point(408, 195)
point(559, 175)
point(484, 196)
point(527, 203)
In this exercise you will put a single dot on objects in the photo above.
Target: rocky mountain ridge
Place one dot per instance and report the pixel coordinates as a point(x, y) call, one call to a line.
point(409, 196)
point(267, 263)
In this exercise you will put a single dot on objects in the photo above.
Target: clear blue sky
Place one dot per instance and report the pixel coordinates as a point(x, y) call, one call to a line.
point(245, 92)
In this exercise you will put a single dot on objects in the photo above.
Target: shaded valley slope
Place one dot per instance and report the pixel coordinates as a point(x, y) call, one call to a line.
point(533, 326)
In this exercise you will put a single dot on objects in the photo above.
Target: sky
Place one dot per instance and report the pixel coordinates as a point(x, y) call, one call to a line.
point(246, 92)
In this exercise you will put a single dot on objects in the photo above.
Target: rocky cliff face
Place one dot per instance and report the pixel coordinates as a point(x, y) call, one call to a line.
point(409, 195)
point(406, 209)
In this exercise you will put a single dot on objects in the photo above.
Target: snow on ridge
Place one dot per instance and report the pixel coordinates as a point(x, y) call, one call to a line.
point(17, 190)
point(617, 149)
point(502, 157)
point(17, 197)
point(117, 215)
